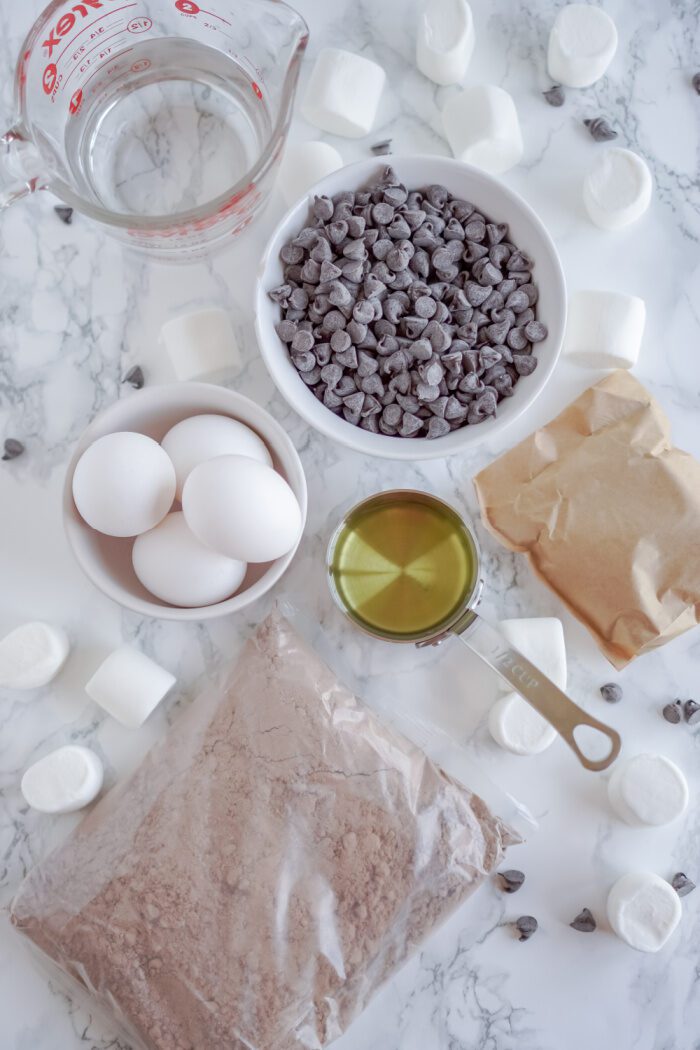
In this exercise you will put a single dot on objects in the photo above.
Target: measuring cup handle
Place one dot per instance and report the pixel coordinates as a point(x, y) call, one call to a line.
point(15, 182)
point(553, 704)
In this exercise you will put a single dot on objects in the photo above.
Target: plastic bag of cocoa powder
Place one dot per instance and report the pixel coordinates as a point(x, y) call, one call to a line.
point(274, 859)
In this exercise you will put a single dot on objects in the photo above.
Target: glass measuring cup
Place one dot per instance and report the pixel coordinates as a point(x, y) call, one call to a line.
point(161, 120)
point(428, 584)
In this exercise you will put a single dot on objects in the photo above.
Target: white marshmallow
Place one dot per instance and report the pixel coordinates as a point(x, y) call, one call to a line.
point(303, 165)
point(604, 329)
point(445, 40)
point(648, 789)
point(482, 127)
point(32, 655)
point(643, 910)
point(513, 723)
point(343, 93)
point(63, 781)
point(617, 189)
point(201, 342)
point(582, 44)
point(129, 686)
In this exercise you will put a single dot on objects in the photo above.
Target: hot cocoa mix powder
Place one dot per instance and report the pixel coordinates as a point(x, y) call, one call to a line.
point(275, 858)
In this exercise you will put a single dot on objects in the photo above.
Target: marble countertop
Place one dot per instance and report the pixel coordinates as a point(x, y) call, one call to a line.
point(76, 312)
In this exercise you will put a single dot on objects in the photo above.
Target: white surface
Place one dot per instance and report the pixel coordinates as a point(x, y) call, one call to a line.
point(482, 127)
point(604, 329)
point(513, 723)
point(242, 508)
point(582, 45)
point(63, 781)
point(173, 565)
point(643, 910)
point(200, 343)
point(77, 313)
point(31, 655)
point(617, 189)
point(128, 685)
point(123, 484)
point(199, 438)
point(499, 203)
point(303, 165)
point(343, 93)
point(445, 40)
point(648, 790)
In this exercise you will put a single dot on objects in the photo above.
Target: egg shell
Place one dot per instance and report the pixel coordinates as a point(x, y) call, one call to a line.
point(176, 567)
point(124, 484)
point(199, 438)
point(242, 508)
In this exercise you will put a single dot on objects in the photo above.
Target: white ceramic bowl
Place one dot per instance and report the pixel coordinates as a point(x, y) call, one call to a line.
point(107, 561)
point(497, 202)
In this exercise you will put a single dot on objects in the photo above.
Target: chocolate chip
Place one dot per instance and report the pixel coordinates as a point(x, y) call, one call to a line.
point(584, 921)
point(134, 377)
point(511, 880)
point(672, 712)
point(611, 692)
point(691, 712)
point(600, 130)
point(12, 448)
point(381, 147)
point(682, 884)
point(696, 82)
point(526, 925)
point(64, 213)
point(535, 331)
point(554, 96)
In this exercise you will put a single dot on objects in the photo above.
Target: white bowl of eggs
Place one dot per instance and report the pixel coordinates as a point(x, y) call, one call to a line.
point(184, 502)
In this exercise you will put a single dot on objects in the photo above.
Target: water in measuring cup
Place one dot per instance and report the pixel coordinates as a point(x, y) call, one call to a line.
point(181, 130)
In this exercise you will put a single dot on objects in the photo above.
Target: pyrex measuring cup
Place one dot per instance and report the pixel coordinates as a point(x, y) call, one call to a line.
point(162, 120)
point(407, 568)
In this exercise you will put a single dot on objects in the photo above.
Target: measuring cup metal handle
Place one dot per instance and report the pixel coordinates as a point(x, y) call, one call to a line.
point(538, 690)
point(15, 182)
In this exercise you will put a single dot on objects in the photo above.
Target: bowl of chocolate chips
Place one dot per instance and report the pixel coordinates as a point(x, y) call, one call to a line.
point(410, 310)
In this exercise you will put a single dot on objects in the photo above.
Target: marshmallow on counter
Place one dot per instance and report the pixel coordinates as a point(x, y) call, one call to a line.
point(513, 723)
point(343, 93)
point(648, 789)
point(617, 189)
point(303, 165)
point(201, 342)
point(445, 40)
point(582, 44)
point(65, 780)
point(32, 655)
point(643, 910)
point(129, 686)
point(604, 329)
point(482, 127)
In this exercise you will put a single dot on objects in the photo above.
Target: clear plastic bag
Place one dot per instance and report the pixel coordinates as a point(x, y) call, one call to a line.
point(275, 858)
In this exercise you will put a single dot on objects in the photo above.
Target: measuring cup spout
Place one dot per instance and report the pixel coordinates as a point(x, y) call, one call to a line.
point(19, 174)
point(537, 689)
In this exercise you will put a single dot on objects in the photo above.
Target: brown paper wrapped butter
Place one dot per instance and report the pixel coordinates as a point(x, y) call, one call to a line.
point(608, 513)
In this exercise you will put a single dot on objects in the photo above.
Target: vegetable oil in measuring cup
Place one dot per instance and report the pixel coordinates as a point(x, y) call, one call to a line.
point(402, 565)
point(178, 128)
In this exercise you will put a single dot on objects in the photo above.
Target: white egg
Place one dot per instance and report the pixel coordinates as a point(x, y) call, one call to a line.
point(199, 438)
point(124, 484)
point(242, 508)
point(173, 565)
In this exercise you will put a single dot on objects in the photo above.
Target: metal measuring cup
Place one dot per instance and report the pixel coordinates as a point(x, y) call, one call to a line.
point(484, 639)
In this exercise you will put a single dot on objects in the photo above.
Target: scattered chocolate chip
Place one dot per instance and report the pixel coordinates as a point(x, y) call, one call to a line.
point(526, 925)
point(696, 82)
point(672, 712)
point(13, 448)
point(554, 96)
point(381, 147)
point(134, 377)
point(600, 130)
point(682, 884)
point(691, 712)
point(584, 921)
point(512, 880)
point(611, 693)
point(64, 213)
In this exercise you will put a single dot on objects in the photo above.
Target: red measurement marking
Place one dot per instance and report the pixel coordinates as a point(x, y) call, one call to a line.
point(213, 14)
point(90, 25)
point(102, 41)
point(188, 7)
point(139, 25)
point(140, 65)
point(256, 89)
point(98, 70)
point(75, 101)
